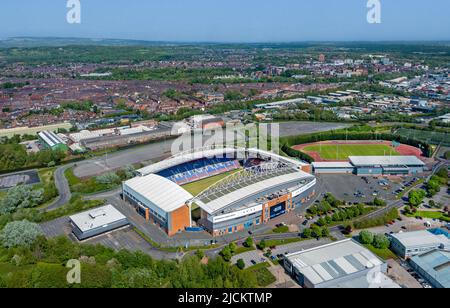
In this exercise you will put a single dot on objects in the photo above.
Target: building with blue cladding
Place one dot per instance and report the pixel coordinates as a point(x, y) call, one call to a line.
point(434, 266)
point(373, 166)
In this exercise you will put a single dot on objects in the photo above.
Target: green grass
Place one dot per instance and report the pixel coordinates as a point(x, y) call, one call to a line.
point(86, 186)
point(197, 187)
point(243, 249)
point(282, 229)
point(432, 215)
point(343, 151)
point(384, 254)
point(264, 277)
point(273, 243)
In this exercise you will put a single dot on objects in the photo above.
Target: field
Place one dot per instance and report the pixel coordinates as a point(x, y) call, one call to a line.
point(426, 136)
point(197, 187)
point(343, 151)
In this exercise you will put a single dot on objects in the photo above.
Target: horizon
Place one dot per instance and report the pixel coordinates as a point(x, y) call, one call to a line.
point(231, 22)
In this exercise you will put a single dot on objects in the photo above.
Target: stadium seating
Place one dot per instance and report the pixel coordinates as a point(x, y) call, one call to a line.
point(198, 170)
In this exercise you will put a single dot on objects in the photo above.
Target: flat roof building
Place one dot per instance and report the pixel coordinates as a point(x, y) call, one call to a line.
point(97, 221)
point(434, 266)
point(409, 244)
point(344, 264)
point(52, 141)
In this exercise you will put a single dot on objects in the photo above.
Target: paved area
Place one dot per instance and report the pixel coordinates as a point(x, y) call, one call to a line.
point(56, 227)
point(250, 258)
point(344, 187)
point(401, 276)
point(26, 177)
point(284, 281)
point(299, 128)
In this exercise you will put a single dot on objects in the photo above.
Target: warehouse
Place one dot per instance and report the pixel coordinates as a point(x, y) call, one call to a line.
point(344, 264)
point(160, 201)
point(434, 267)
point(51, 141)
point(387, 165)
point(97, 221)
point(373, 165)
point(410, 244)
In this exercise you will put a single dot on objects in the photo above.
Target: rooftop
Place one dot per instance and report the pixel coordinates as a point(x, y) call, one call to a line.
point(421, 238)
point(50, 138)
point(386, 161)
point(437, 264)
point(332, 165)
point(160, 191)
point(333, 261)
point(97, 218)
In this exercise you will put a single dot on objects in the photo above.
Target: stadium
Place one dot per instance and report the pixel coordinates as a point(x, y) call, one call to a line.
point(365, 158)
point(228, 189)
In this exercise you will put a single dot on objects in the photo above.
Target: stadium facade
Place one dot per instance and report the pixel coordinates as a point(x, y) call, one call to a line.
point(258, 186)
point(373, 166)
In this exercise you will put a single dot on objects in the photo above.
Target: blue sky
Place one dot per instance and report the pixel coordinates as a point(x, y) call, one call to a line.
point(229, 21)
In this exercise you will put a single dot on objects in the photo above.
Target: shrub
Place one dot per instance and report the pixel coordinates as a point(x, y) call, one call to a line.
point(366, 237)
point(240, 264)
point(380, 241)
point(20, 234)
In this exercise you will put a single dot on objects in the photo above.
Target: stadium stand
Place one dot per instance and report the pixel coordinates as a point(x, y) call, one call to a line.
point(198, 170)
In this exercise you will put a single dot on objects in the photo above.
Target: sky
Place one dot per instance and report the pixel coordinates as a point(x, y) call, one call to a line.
point(229, 20)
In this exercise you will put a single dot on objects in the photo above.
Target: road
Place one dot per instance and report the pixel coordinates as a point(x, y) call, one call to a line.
point(62, 185)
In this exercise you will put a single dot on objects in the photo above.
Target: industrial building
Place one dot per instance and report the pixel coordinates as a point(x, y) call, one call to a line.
point(343, 264)
point(373, 166)
point(434, 267)
point(261, 186)
point(51, 141)
point(410, 244)
point(97, 221)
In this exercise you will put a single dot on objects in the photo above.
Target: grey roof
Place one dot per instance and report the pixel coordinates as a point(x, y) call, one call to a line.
point(160, 191)
point(332, 165)
point(97, 218)
point(437, 264)
point(216, 203)
point(420, 238)
point(50, 138)
point(333, 261)
point(386, 161)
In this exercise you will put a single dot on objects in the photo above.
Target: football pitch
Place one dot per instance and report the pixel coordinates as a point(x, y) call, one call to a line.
point(343, 151)
point(197, 187)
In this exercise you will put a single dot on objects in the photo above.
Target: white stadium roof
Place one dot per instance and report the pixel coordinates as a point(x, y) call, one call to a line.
point(160, 191)
point(228, 199)
point(386, 161)
point(97, 218)
point(203, 153)
point(332, 165)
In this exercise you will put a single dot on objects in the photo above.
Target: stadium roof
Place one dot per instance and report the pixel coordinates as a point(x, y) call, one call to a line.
point(332, 165)
point(160, 191)
point(333, 261)
point(386, 161)
point(97, 218)
point(435, 263)
point(216, 203)
point(210, 153)
point(421, 238)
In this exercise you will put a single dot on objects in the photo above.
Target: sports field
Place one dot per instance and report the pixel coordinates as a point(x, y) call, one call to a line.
point(343, 151)
point(197, 187)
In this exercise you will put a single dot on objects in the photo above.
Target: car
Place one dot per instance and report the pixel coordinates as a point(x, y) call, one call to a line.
point(253, 262)
point(305, 223)
point(273, 258)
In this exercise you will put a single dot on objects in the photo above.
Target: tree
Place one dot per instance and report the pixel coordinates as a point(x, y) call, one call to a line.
point(307, 233)
point(262, 245)
point(240, 264)
point(20, 197)
point(415, 197)
point(379, 202)
point(248, 242)
point(366, 237)
point(226, 253)
point(316, 231)
point(380, 241)
point(108, 178)
point(325, 232)
point(233, 247)
point(20, 234)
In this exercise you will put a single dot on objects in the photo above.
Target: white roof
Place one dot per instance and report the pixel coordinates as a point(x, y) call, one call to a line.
point(218, 152)
point(385, 160)
point(86, 134)
point(51, 138)
point(332, 165)
point(420, 238)
point(228, 199)
point(333, 261)
point(160, 191)
point(97, 218)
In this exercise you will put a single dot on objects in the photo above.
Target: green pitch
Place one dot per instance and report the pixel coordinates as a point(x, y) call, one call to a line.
point(343, 151)
point(197, 187)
